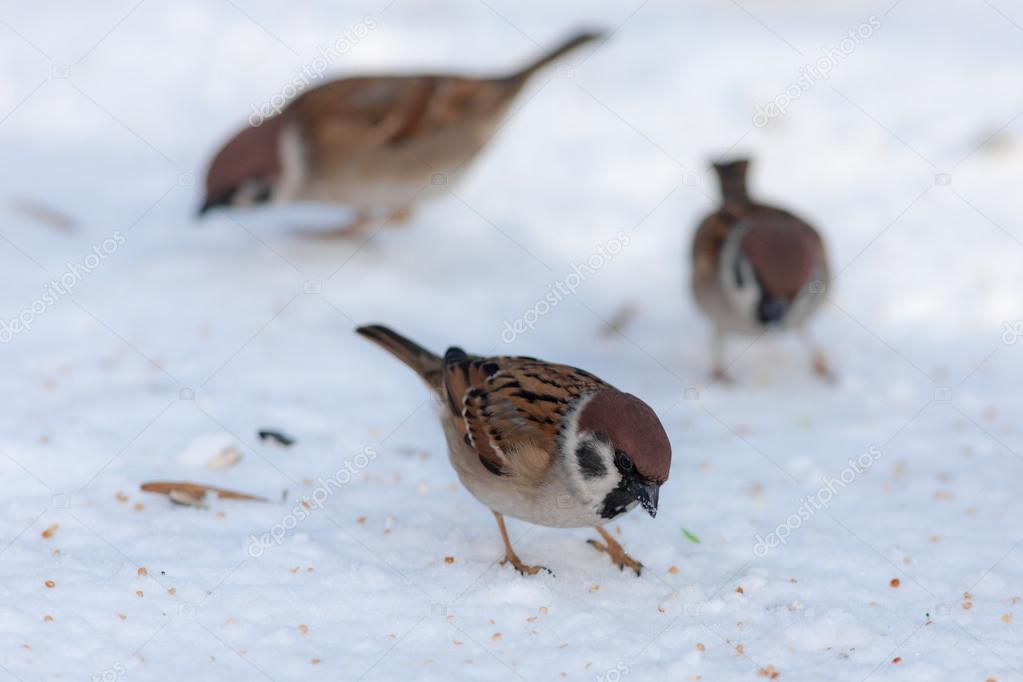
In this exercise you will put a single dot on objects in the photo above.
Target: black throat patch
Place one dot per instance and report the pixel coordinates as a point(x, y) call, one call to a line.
point(617, 502)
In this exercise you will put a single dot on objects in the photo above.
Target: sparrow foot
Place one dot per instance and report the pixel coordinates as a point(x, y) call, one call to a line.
point(614, 550)
point(523, 568)
point(823, 370)
point(510, 557)
point(719, 375)
point(350, 231)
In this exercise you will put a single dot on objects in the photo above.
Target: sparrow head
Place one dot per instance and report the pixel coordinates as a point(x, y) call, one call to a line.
point(767, 263)
point(245, 170)
point(620, 452)
point(732, 178)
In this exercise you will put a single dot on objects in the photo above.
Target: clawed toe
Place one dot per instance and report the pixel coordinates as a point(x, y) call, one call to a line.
point(618, 557)
point(720, 375)
point(525, 569)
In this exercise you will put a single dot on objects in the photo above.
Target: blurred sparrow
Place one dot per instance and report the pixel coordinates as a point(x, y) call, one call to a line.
point(378, 144)
point(548, 444)
point(756, 268)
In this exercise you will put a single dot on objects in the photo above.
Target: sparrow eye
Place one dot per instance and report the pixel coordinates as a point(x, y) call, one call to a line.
point(623, 459)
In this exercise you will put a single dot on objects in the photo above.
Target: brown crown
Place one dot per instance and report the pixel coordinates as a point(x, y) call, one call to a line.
point(252, 153)
point(633, 428)
point(784, 252)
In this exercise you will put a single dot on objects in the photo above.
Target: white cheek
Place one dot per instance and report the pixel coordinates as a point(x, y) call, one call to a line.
point(247, 193)
point(737, 277)
point(293, 165)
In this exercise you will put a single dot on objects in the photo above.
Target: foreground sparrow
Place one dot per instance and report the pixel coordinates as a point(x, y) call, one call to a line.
point(378, 143)
point(545, 443)
point(756, 268)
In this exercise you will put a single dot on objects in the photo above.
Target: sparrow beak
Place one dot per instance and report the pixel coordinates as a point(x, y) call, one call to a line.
point(204, 209)
point(646, 494)
point(771, 311)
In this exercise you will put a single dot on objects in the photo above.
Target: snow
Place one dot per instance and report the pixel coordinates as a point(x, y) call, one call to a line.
point(188, 337)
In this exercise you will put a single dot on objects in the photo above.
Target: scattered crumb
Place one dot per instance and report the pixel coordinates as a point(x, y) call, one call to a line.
point(361, 519)
point(123, 616)
point(50, 584)
point(673, 570)
point(1007, 618)
point(967, 605)
point(496, 636)
point(47, 618)
point(897, 659)
point(769, 672)
point(304, 629)
point(895, 582)
point(700, 646)
point(139, 594)
point(143, 571)
point(740, 590)
point(314, 661)
point(48, 533)
point(139, 506)
point(457, 642)
point(172, 590)
point(449, 559)
point(121, 497)
point(740, 649)
point(543, 610)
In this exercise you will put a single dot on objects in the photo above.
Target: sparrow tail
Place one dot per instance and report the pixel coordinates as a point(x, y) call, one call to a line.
point(567, 46)
point(423, 362)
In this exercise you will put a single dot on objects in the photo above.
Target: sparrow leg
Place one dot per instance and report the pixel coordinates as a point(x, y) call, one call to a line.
point(615, 551)
point(510, 557)
point(400, 216)
point(351, 230)
point(719, 373)
point(818, 359)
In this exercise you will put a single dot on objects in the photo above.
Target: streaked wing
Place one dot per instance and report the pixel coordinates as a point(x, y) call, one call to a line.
point(511, 405)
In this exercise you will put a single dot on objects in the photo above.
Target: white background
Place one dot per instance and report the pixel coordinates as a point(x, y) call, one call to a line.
point(108, 112)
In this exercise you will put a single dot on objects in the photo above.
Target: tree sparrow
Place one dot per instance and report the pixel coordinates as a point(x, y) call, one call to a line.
point(377, 143)
point(548, 444)
point(756, 268)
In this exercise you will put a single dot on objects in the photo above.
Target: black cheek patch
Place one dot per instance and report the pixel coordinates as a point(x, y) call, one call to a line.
point(590, 463)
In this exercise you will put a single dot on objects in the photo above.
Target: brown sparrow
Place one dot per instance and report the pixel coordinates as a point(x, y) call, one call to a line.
point(756, 268)
point(548, 444)
point(377, 143)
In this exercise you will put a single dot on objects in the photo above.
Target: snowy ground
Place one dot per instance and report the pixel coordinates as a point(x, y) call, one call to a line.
point(184, 338)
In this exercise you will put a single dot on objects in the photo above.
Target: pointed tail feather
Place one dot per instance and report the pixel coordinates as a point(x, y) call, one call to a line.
point(426, 364)
point(569, 45)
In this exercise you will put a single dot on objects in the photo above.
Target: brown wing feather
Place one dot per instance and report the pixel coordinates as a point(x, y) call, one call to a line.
point(707, 244)
point(510, 408)
point(391, 110)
